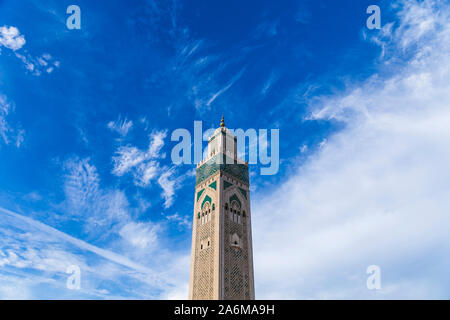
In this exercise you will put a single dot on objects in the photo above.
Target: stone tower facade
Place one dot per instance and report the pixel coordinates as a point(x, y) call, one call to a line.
point(222, 256)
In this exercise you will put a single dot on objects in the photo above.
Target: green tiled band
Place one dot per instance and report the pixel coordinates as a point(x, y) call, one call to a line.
point(239, 171)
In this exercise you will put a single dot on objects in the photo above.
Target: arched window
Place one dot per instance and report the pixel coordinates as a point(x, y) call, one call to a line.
point(235, 241)
point(226, 206)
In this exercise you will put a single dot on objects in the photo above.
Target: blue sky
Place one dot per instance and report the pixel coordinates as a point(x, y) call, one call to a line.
point(86, 176)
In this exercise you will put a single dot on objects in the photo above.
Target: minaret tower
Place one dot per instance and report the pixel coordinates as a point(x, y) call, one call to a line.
point(221, 256)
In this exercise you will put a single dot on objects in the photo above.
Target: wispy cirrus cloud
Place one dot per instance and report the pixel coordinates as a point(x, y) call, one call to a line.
point(377, 191)
point(143, 235)
point(101, 211)
point(197, 73)
point(181, 221)
point(11, 38)
point(129, 158)
point(145, 166)
point(45, 253)
point(224, 89)
point(121, 126)
point(7, 132)
point(5, 108)
point(169, 184)
point(38, 65)
point(269, 83)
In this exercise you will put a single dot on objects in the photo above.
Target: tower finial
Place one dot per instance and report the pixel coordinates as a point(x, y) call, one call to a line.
point(222, 122)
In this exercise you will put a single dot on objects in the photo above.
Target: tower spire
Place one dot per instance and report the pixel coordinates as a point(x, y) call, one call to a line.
point(221, 247)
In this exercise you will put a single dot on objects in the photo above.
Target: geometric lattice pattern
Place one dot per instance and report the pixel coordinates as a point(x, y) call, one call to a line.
point(204, 268)
point(236, 285)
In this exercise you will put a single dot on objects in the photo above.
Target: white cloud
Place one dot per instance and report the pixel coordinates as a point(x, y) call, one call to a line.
point(143, 164)
point(178, 268)
point(224, 89)
point(37, 65)
point(303, 148)
point(184, 222)
point(33, 196)
point(102, 210)
point(42, 254)
point(20, 137)
point(126, 158)
point(141, 235)
point(11, 38)
point(34, 257)
point(42, 62)
point(28, 64)
point(156, 143)
point(121, 126)
point(145, 172)
point(179, 292)
point(5, 108)
point(81, 184)
point(377, 191)
point(169, 186)
point(7, 132)
point(269, 83)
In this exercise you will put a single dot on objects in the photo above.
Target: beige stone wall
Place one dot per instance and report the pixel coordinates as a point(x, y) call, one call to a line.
point(204, 254)
point(224, 269)
point(237, 262)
